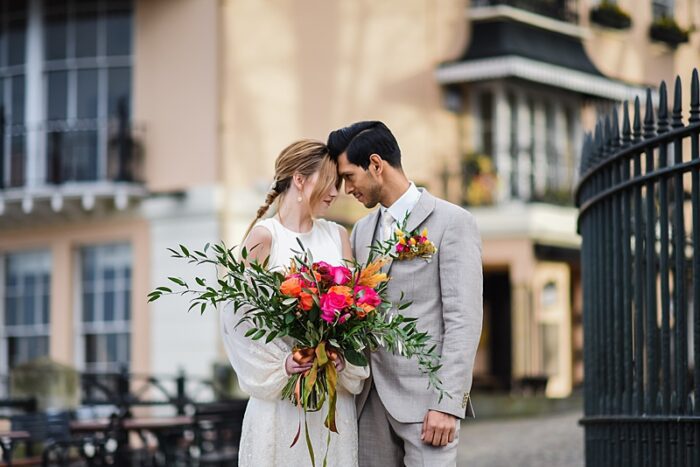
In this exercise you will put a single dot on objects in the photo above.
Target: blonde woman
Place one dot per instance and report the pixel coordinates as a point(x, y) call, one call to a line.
point(305, 186)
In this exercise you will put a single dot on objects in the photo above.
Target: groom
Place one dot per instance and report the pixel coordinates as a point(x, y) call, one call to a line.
point(401, 421)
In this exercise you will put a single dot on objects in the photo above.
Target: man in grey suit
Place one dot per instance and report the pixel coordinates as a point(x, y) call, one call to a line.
point(401, 421)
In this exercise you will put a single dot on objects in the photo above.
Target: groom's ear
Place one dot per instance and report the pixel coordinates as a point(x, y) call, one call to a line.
point(375, 164)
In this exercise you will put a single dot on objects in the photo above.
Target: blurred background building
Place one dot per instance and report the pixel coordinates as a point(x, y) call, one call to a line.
point(131, 126)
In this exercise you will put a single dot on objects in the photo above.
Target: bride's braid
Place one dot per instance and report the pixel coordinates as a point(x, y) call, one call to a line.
point(304, 157)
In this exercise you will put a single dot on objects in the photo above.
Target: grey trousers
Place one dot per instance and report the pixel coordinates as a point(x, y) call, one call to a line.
point(385, 442)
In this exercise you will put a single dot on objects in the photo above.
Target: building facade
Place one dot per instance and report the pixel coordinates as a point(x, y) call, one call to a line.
point(132, 126)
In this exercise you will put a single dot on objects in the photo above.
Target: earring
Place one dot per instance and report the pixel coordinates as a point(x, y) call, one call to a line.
point(299, 198)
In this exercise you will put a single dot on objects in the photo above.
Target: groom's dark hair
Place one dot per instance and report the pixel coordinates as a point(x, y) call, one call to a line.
point(362, 139)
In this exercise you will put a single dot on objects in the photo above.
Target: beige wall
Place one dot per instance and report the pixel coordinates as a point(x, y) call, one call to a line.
point(176, 91)
point(299, 68)
point(64, 243)
point(631, 56)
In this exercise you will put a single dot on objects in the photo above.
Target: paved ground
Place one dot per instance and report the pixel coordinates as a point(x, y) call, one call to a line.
point(547, 441)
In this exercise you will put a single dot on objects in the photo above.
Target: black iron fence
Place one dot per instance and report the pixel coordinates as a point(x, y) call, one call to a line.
point(195, 422)
point(639, 200)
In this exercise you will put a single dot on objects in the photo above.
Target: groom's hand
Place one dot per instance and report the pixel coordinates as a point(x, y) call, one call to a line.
point(438, 428)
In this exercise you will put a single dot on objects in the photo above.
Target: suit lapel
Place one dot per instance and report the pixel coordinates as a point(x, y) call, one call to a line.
point(420, 212)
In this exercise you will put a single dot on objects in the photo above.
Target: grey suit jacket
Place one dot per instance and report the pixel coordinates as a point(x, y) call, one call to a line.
point(446, 296)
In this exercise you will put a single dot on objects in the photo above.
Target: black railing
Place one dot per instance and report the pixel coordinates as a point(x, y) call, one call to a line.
point(87, 150)
point(205, 431)
point(639, 200)
point(563, 10)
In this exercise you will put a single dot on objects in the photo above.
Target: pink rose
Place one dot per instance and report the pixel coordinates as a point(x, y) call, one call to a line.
point(341, 275)
point(367, 296)
point(343, 318)
point(331, 304)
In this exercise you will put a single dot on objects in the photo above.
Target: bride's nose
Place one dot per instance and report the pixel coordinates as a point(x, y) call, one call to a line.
point(334, 192)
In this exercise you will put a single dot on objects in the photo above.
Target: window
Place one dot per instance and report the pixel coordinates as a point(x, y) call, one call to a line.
point(87, 83)
point(78, 81)
point(486, 112)
point(532, 146)
point(106, 306)
point(514, 148)
point(552, 171)
point(13, 26)
point(26, 307)
point(662, 8)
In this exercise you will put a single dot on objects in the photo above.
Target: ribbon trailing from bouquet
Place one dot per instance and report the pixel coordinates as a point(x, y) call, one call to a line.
point(323, 361)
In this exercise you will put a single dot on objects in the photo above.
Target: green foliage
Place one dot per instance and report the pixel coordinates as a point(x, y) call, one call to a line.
point(254, 293)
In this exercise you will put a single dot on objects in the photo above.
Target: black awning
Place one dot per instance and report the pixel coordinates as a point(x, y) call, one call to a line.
point(504, 37)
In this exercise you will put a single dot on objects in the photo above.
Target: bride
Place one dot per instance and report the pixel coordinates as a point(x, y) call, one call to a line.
point(306, 184)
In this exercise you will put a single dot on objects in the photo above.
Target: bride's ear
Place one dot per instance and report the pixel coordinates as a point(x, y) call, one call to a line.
point(298, 180)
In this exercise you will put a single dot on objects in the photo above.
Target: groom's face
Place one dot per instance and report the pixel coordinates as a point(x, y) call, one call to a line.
point(363, 184)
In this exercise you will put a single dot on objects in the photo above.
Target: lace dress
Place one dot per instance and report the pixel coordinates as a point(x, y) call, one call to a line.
point(270, 423)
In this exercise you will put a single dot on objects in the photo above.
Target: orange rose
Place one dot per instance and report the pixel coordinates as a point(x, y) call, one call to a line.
point(306, 301)
point(364, 310)
point(291, 287)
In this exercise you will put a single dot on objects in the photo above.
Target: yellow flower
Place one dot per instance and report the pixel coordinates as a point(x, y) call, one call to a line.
point(399, 233)
point(424, 233)
point(402, 241)
point(413, 241)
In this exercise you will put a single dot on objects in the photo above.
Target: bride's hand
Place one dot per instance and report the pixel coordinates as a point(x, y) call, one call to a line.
point(338, 360)
point(292, 367)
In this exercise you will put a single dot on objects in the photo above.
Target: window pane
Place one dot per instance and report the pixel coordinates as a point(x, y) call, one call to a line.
point(17, 160)
point(10, 311)
point(18, 99)
point(486, 110)
point(108, 295)
point(119, 32)
point(27, 312)
point(126, 292)
point(125, 348)
point(56, 25)
point(82, 156)
point(88, 307)
point(16, 39)
point(119, 90)
point(87, 94)
point(86, 31)
point(90, 348)
point(57, 99)
point(13, 351)
point(112, 354)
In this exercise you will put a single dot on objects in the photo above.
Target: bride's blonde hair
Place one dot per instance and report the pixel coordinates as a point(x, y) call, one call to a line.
point(304, 157)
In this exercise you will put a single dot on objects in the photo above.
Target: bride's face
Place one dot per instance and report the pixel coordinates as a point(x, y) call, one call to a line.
point(325, 201)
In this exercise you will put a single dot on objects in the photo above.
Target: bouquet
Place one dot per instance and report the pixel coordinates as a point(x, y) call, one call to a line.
point(325, 310)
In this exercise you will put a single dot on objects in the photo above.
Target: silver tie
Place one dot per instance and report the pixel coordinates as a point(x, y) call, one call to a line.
point(386, 227)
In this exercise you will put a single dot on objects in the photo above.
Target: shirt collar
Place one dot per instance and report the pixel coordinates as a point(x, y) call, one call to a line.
point(405, 204)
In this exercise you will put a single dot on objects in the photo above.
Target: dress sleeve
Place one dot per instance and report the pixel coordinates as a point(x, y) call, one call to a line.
point(258, 366)
point(352, 378)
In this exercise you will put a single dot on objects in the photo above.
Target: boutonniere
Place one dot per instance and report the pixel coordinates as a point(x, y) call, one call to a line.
point(413, 244)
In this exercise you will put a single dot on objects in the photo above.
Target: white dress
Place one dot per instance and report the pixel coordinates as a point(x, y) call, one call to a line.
point(270, 423)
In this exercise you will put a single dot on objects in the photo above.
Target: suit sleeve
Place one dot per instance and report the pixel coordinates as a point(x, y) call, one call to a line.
point(461, 287)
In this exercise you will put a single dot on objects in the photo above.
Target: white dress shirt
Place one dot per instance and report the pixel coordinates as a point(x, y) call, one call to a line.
point(399, 210)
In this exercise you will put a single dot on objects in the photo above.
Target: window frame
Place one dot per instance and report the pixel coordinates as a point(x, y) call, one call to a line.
point(37, 329)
